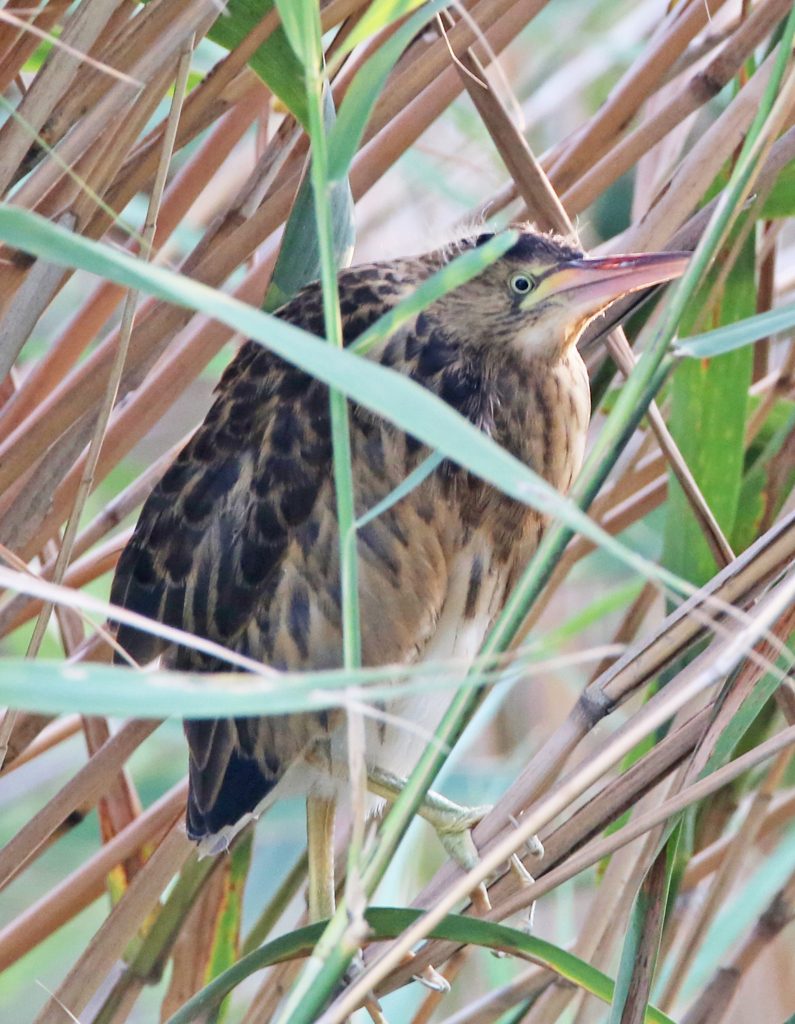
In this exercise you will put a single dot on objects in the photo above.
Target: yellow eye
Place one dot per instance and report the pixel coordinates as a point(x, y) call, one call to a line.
point(522, 284)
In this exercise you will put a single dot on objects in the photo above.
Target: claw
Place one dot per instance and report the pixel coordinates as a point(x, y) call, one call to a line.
point(522, 874)
point(433, 980)
point(533, 845)
point(535, 848)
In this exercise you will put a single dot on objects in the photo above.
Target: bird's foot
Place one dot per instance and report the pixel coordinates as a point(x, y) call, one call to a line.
point(453, 825)
point(452, 822)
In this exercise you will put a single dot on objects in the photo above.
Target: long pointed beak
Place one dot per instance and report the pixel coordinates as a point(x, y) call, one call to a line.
point(589, 285)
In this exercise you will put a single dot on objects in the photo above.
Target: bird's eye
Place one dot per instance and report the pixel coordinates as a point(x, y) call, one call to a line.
point(521, 284)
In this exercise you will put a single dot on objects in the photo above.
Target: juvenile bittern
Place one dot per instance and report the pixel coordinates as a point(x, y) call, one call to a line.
point(238, 542)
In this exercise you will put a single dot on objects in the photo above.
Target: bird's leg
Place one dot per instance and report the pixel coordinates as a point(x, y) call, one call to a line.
point(452, 822)
point(320, 813)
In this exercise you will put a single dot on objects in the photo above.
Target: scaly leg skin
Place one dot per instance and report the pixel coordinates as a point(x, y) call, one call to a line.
point(320, 813)
point(452, 823)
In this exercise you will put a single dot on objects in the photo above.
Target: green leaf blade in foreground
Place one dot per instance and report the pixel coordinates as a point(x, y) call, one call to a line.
point(299, 255)
point(708, 415)
point(737, 335)
point(388, 923)
point(274, 61)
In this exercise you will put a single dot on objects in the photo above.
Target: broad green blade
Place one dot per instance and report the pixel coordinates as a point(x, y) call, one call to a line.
point(299, 255)
point(708, 415)
point(274, 60)
point(737, 335)
point(386, 923)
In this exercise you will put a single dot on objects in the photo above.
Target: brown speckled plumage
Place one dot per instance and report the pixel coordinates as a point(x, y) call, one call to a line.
point(238, 542)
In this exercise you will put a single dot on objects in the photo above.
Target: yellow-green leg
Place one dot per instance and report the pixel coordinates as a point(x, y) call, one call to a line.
point(451, 821)
point(320, 814)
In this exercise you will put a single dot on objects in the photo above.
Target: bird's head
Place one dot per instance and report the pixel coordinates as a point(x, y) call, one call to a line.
point(541, 295)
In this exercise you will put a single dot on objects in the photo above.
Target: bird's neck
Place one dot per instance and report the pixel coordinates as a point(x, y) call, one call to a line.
point(541, 413)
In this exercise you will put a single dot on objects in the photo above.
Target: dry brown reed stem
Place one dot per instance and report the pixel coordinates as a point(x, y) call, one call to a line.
point(145, 963)
point(622, 503)
point(736, 585)
point(22, 608)
point(578, 152)
point(737, 689)
point(783, 382)
point(120, 804)
point(186, 186)
point(644, 822)
point(434, 63)
point(87, 475)
point(189, 17)
point(17, 46)
point(117, 796)
point(488, 1007)
point(85, 786)
point(700, 671)
point(703, 86)
point(742, 686)
point(653, 888)
point(52, 82)
point(35, 293)
point(605, 920)
point(765, 294)
point(120, 49)
point(79, 889)
point(715, 1000)
point(698, 169)
point(61, 729)
point(182, 364)
point(83, 570)
point(639, 82)
point(724, 878)
point(703, 863)
point(26, 727)
point(81, 189)
point(119, 927)
point(451, 970)
point(586, 823)
point(204, 105)
point(630, 624)
point(193, 946)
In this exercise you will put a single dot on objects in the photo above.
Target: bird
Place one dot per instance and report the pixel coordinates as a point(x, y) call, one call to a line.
point(238, 542)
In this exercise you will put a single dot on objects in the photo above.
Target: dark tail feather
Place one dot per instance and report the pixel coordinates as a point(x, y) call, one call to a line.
point(241, 790)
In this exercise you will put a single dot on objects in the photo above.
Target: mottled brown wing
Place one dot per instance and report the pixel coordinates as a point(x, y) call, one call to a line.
point(211, 536)
point(208, 553)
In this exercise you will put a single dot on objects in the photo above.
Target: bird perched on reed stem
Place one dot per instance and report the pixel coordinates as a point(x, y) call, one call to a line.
point(238, 542)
